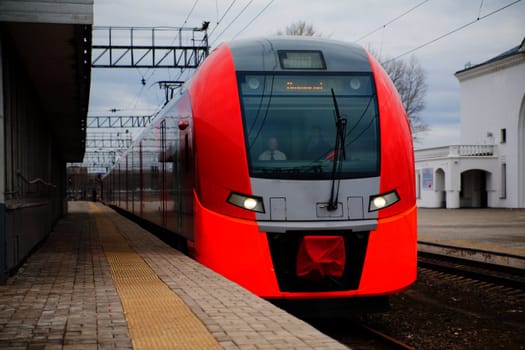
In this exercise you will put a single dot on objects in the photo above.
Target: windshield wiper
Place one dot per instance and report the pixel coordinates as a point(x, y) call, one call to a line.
point(339, 155)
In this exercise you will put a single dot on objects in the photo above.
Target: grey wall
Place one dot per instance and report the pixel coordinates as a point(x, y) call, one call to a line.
point(32, 172)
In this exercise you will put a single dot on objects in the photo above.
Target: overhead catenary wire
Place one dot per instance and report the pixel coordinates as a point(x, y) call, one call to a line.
point(151, 71)
point(392, 20)
point(253, 19)
point(223, 15)
point(189, 14)
point(480, 7)
point(183, 24)
point(233, 21)
point(217, 10)
point(455, 30)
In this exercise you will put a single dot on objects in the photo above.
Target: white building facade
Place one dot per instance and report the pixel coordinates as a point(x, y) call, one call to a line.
point(488, 168)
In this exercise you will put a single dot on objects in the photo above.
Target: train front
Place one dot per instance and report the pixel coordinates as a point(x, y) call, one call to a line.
point(305, 175)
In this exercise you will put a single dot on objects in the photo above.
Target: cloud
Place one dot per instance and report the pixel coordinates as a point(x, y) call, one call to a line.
point(440, 135)
point(130, 99)
point(340, 20)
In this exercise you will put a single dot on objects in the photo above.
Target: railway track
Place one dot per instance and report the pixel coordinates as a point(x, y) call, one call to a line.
point(461, 303)
point(452, 260)
point(385, 340)
point(357, 335)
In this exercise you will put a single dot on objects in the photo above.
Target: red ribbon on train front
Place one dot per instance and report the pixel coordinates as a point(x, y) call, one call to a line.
point(320, 256)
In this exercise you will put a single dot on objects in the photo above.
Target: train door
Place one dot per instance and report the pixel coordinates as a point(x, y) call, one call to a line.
point(141, 181)
point(172, 170)
point(135, 179)
point(126, 183)
point(184, 172)
point(163, 189)
point(131, 188)
point(112, 188)
point(178, 189)
point(119, 187)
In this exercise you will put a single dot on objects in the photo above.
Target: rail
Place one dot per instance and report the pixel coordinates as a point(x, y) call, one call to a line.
point(355, 332)
point(509, 276)
point(473, 254)
point(388, 340)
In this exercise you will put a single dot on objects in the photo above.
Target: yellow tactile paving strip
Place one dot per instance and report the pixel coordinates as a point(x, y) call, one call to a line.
point(157, 318)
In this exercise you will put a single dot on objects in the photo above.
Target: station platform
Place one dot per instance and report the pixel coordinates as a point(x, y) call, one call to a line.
point(490, 235)
point(102, 282)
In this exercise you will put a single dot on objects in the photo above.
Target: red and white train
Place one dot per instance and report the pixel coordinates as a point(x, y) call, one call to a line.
point(286, 164)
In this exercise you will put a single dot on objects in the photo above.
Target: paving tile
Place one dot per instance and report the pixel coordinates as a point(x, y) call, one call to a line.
point(52, 300)
point(64, 296)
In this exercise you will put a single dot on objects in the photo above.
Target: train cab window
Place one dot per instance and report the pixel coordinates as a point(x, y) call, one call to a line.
point(290, 124)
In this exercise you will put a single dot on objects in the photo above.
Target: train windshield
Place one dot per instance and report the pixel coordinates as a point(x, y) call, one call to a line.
point(291, 125)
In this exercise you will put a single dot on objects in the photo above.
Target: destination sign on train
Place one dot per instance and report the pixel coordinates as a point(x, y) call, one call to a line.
point(301, 59)
point(306, 84)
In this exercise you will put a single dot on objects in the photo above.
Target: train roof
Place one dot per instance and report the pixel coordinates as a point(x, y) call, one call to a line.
point(263, 54)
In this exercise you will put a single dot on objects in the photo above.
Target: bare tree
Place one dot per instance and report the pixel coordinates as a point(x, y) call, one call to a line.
point(300, 28)
point(409, 80)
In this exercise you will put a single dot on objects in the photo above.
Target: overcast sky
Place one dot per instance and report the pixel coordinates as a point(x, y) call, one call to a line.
point(378, 23)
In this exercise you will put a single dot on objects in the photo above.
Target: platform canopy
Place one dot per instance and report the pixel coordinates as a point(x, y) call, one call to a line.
point(53, 43)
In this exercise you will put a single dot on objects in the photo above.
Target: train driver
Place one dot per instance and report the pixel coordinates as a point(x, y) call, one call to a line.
point(317, 147)
point(272, 153)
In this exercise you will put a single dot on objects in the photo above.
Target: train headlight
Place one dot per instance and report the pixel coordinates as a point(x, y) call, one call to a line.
point(384, 200)
point(251, 203)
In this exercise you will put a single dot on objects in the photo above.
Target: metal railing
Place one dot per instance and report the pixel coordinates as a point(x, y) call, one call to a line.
point(456, 151)
point(21, 179)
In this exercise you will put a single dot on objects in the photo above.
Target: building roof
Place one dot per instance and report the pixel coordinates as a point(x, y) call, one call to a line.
point(520, 49)
point(52, 40)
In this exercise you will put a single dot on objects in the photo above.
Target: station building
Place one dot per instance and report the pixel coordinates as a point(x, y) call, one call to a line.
point(45, 65)
point(488, 168)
